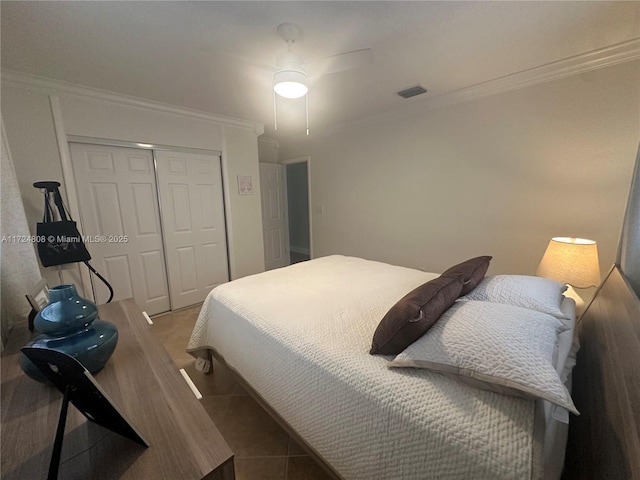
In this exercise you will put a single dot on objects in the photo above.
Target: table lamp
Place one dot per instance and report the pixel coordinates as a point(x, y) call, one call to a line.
point(573, 261)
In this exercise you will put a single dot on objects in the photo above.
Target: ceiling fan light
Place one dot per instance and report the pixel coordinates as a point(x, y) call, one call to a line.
point(290, 84)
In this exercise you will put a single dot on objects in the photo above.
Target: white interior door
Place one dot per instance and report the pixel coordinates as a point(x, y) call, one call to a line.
point(275, 227)
point(190, 188)
point(119, 209)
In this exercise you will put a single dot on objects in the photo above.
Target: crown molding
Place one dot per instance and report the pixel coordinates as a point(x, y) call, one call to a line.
point(596, 59)
point(603, 57)
point(51, 86)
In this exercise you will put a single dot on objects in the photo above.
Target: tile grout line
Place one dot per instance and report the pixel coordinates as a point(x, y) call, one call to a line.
point(286, 464)
point(260, 457)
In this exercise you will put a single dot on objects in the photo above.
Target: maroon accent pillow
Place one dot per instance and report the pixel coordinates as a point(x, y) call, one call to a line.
point(472, 272)
point(414, 314)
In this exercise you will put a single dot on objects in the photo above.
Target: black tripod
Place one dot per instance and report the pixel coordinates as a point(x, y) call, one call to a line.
point(59, 241)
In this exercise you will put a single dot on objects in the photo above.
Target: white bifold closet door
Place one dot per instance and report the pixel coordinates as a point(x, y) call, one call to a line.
point(119, 209)
point(190, 187)
point(164, 231)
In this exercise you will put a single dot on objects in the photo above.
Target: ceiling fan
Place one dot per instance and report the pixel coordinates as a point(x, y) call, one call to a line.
point(291, 73)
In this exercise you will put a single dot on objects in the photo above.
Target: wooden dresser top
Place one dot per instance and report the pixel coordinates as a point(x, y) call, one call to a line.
point(142, 380)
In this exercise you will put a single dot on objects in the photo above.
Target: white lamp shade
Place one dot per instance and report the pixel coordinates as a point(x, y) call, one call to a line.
point(571, 260)
point(290, 84)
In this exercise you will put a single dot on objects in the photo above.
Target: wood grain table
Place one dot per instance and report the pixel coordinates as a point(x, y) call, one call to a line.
point(142, 380)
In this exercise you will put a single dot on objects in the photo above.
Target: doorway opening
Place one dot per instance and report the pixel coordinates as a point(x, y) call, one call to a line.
point(298, 206)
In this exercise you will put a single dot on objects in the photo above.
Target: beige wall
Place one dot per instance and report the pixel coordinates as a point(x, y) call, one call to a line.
point(19, 270)
point(498, 175)
point(32, 139)
point(31, 132)
point(246, 210)
point(267, 150)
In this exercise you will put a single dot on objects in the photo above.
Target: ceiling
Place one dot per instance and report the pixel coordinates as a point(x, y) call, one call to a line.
point(207, 55)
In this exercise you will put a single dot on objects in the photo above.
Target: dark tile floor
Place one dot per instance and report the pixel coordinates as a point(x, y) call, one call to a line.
point(298, 257)
point(263, 450)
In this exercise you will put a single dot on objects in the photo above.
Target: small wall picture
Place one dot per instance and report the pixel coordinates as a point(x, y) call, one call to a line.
point(245, 185)
point(38, 296)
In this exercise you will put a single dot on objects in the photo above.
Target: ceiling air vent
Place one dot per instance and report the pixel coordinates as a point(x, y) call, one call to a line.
point(412, 92)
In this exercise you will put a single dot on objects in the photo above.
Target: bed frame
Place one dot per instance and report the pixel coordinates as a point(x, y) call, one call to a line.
point(281, 421)
point(604, 441)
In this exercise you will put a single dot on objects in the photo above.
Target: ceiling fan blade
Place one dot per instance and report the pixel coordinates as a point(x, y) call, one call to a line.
point(263, 66)
point(340, 62)
point(247, 61)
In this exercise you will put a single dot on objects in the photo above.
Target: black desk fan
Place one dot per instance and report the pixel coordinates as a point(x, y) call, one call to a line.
point(59, 241)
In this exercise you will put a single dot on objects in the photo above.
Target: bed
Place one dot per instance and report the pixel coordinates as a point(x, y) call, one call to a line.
point(299, 337)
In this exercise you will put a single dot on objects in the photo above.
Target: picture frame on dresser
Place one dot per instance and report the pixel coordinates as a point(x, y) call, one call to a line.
point(80, 388)
point(38, 298)
point(38, 295)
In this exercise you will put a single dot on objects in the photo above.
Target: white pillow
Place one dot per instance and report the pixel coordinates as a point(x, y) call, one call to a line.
point(535, 293)
point(494, 347)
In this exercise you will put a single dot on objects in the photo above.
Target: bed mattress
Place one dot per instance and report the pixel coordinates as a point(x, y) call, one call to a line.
point(301, 335)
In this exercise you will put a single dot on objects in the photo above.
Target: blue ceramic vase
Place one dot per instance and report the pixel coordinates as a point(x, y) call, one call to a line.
point(69, 324)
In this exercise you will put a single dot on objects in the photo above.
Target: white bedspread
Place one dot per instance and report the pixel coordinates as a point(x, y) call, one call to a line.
point(300, 336)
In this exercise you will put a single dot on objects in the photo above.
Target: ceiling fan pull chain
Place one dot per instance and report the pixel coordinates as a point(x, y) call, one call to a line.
point(275, 112)
point(306, 105)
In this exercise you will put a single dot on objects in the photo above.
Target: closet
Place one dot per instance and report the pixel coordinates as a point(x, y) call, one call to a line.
point(154, 222)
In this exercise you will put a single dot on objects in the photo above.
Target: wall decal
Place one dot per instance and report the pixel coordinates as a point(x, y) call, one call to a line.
point(245, 185)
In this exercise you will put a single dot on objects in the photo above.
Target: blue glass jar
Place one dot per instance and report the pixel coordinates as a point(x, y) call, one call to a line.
point(70, 324)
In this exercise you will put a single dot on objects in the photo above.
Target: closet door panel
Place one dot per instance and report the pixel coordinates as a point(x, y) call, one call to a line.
point(145, 201)
point(118, 269)
point(119, 210)
point(190, 187)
